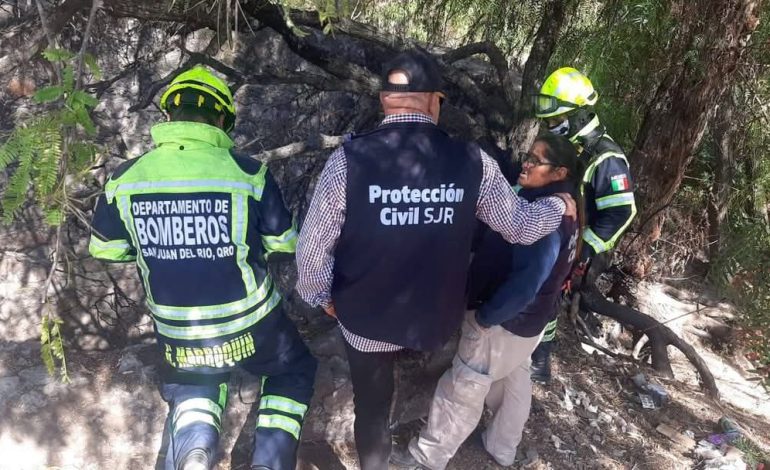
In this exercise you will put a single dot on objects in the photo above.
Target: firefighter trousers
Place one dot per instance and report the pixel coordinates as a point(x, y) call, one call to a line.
point(197, 401)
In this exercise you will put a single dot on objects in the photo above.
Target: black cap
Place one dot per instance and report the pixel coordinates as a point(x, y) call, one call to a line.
point(422, 71)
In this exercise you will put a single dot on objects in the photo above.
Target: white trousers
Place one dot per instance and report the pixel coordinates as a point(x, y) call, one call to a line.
point(491, 365)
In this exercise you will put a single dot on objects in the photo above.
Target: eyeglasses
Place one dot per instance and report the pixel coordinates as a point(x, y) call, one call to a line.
point(531, 159)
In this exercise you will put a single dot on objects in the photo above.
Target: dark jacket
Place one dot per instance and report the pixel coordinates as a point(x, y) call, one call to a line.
point(518, 287)
point(401, 261)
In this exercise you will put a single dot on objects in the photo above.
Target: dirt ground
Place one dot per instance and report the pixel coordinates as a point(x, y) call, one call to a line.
point(588, 417)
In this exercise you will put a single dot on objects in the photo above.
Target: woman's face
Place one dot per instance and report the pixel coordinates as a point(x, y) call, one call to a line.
point(537, 171)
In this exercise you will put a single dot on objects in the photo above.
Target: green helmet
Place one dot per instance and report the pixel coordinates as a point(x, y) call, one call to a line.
point(199, 87)
point(563, 91)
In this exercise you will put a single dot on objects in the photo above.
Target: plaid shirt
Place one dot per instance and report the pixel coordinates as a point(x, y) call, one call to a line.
point(497, 206)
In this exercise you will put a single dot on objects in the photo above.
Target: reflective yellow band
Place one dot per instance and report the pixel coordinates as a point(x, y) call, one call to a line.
point(615, 200)
point(284, 423)
point(622, 229)
point(197, 404)
point(589, 173)
point(592, 239)
point(284, 243)
point(222, 395)
point(195, 332)
point(209, 312)
point(188, 186)
point(549, 333)
point(193, 417)
point(112, 250)
point(240, 226)
point(287, 405)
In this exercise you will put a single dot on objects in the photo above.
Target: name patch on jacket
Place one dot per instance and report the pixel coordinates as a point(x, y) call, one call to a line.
point(179, 229)
point(224, 354)
point(415, 206)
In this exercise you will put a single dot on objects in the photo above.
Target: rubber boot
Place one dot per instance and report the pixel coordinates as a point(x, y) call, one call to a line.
point(541, 363)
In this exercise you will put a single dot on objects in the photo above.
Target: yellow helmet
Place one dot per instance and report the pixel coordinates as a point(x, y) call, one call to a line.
point(199, 87)
point(564, 90)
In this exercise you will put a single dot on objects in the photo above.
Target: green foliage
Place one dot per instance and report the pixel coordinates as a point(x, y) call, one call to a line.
point(42, 155)
point(621, 46)
point(52, 347)
point(44, 148)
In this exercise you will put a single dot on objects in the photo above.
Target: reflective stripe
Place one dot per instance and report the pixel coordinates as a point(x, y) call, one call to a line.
point(611, 242)
point(194, 332)
point(222, 395)
point(212, 311)
point(114, 250)
point(615, 200)
point(551, 325)
point(285, 243)
point(259, 181)
point(109, 244)
point(592, 239)
point(240, 220)
point(587, 129)
point(128, 222)
point(589, 173)
point(183, 186)
point(199, 404)
point(287, 405)
point(193, 417)
point(284, 423)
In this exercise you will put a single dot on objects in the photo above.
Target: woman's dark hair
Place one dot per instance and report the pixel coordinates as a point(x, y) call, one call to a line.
point(562, 153)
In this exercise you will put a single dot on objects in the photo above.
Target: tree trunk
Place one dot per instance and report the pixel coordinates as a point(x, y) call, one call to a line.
point(524, 124)
point(723, 130)
point(712, 37)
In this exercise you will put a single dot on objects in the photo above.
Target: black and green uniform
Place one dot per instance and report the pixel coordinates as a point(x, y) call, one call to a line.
point(200, 223)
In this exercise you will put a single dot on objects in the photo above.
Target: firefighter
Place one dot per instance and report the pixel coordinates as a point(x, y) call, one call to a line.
point(564, 104)
point(201, 223)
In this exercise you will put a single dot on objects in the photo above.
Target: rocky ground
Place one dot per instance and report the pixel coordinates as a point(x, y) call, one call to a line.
point(111, 416)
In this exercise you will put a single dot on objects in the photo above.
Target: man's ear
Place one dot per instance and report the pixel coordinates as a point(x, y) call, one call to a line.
point(221, 121)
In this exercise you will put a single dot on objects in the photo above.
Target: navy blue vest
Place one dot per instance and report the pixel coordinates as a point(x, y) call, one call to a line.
point(401, 260)
point(492, 264)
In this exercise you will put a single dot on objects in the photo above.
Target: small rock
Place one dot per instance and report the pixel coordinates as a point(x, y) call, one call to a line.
point(532, 458)
point(567, 403)
point(32, 401)
point(129, 363)
point(597, 438)
point(556, 441)
point(605, 418)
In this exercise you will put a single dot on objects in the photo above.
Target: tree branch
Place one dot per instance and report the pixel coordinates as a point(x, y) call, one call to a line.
point(95, 6)
point(497, 60)
point(321, 143)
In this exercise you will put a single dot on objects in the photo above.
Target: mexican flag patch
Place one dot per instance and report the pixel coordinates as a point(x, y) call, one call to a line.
point(620, 183)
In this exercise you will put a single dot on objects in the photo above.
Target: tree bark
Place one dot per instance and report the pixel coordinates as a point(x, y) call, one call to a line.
point(712, 38)
point(723, 129)
point(524, 123)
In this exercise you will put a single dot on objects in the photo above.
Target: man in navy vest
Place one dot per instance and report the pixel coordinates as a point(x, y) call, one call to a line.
point(386, 242)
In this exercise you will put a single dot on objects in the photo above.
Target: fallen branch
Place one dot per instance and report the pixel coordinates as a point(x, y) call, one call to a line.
point(290, 150)
point(660, 336)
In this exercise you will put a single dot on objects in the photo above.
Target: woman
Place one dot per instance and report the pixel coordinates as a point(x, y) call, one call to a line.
point(493, 358)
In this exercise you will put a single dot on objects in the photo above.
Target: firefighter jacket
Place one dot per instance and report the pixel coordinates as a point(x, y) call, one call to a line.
point(199, 222)
point(607, 189)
